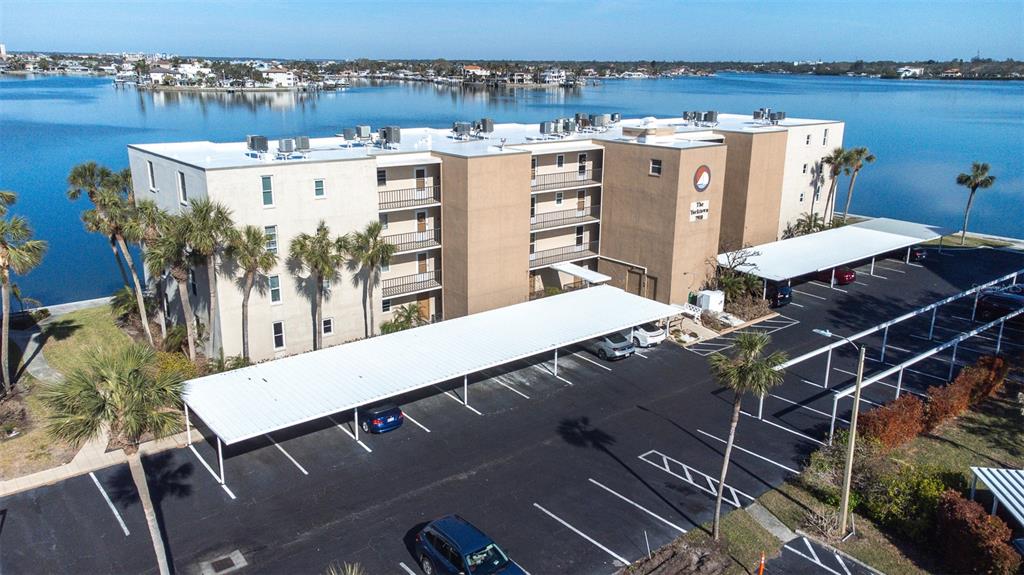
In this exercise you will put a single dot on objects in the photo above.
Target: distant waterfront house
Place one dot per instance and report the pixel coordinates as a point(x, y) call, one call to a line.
point(161, 75)
point(908, 72)
point(952, 73)
point(553, 76)
point(280, 77)
point(475, 71)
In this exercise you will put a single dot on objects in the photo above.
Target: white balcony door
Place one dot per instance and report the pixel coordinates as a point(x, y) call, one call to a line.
point(421, 183)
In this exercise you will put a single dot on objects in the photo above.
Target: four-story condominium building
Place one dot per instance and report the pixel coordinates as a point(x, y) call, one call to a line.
point(480, 213)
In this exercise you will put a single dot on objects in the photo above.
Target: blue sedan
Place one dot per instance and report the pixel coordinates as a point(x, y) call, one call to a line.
point(381, 418)
point(453, 546)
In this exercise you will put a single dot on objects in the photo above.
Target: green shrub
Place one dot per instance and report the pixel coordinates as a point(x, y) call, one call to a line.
point(168, 362)
point(906, 501)
point(552, 290)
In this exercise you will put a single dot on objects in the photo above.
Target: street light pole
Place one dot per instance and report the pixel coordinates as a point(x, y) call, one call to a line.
point(844, 504)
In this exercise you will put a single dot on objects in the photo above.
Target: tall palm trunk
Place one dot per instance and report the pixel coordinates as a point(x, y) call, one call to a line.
point(211, 314)
point(190, 316)
point(366, 307)
point(247, 287)
point(830, 199)
point(161, 317)
point(369, 294)
point(139, 300)
point(149, 510)
point(849, 194)
point(5, 349)
point(725, 463)
point(117, 258)
point(319, 312)
point(967, 214)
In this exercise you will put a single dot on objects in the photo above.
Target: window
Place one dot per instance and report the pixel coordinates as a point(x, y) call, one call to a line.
point(559, 161)
point(182, 191)
point(328, 326)
point(275, 288)
point(383, 221)
point(559, 196)
point(385, 305)
point(655, 168)
point(326, 283)
point(278, 332)
point(152, 176)
point(271, 233)
point(268, 190)
point(801, 197)
point(533, 168)
point(382, 177)
point(318, 188)
point(385, 266)
point(805, 168)
point(808, 140)
point(533, 244)
point(579, 235)
point(582, 164)
point(824, 139)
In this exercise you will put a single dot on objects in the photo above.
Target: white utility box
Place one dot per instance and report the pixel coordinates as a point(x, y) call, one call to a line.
point(711, 300)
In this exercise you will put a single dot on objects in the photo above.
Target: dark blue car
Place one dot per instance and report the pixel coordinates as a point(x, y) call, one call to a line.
point(452, 546)
point(381, 418)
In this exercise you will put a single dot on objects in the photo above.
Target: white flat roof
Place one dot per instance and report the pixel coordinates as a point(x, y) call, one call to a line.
point(518, 138)
point(248, 402)
point(1007, 485)
point(802, 255)
point(581, 272)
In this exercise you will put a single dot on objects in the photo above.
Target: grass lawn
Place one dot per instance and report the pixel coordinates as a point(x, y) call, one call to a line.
point(70, 339)
point(32, 449)
point(743, 538)
point(971, 241)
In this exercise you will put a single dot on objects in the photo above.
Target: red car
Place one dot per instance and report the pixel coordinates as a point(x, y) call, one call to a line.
point(844, 276)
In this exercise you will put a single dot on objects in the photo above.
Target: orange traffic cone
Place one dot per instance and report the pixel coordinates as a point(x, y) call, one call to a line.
point(760, 569)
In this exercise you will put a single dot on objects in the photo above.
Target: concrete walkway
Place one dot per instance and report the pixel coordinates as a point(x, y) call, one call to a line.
point(30, 342)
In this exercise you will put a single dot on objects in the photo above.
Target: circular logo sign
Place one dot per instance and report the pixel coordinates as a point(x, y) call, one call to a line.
point(702, 178)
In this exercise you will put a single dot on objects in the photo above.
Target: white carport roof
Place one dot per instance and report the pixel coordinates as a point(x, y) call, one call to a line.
point(787, 259)
point(1007, 485)
point(581, 272)
point(248, 402)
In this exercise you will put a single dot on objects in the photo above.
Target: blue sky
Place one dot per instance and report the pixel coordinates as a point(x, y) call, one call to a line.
point(524, 29)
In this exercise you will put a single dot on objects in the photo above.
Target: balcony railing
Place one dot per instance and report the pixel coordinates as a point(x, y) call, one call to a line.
point(547, 220)
point(408, 284)
point(409, 197)
point(415, 240)
point(567, 253)
point(569, 179)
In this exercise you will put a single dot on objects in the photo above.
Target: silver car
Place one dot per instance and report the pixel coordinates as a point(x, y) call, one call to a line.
point(611, 346)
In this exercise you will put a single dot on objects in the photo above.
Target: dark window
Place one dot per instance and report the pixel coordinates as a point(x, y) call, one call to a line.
point(382, 177)
point(278, 335)
point(655, 168)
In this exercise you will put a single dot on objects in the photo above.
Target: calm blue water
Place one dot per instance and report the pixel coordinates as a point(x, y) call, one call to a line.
point(923, 133)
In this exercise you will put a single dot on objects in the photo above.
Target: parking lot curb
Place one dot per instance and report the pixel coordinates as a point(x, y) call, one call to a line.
point(729, 330)
point(845, 555)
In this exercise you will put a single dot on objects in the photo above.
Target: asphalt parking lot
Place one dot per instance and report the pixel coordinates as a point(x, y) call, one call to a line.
point(574, 473)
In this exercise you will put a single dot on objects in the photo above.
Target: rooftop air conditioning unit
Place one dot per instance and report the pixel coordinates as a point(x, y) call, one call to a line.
point(257, 143)
point(711, 116)
point(348, 133)
point(363, 132)
point(616, 117)
point(486, 125)
point(758, 114)
point(782, 116)
point(462, 128)
point(286, 146)
point(391, 134)
point(599, 120)
point(547, 127)
point(302, 143)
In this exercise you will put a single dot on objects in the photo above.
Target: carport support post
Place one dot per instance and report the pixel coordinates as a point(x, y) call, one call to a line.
point(832, 282)
point(764, 290)
point(952, 360)
point(885, 340)
point(355, 422)
point(556, 361)
point(899, 383)
point(465, 390)
point(832, 426)
point(220, 458)
point(828, 367)
point(974, 486)
point(872, 267)
point(931, 330)
point(907, 261)
point(974, 310)
point(188, 425)
point(999, 340)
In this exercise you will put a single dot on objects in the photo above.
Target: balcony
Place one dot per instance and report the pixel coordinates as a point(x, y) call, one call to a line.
point(548, 220)
point(403, 285)
point(409, 197)
point(563, 254)
point(415, 241)
point(565, 180)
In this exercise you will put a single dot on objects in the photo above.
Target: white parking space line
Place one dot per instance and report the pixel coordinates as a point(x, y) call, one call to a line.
point(811, 549)
point(349, 433)
point(787, 430)
point(796, 304)
point(406, 569)
point(547, 371)
point(110, 504)
point(286, 454)
point(210, 469)
point(824, 285)
point(512, 389)
point(748, 452)
point(818, 563)
point(694, 477)
point(463, 404)
point(861, 284)
point(615, 555)
point(897, 348)
point(641, 355)
point(638, 506)
point(811, 295)
point(409, 417)
point(839, 559)
point(791, 402)
point(878, 267)
point(605, 367)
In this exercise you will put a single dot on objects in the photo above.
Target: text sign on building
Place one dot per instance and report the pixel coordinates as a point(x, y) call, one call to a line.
point(699, 210)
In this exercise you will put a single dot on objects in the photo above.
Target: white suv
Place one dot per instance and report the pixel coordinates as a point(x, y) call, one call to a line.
point(646, 335)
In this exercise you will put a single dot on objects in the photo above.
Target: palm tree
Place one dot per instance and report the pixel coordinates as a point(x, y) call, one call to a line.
point(369, 252)
point(978, 179)
point(114, 217)
point(836, 162)
point(18, 253)
point(855, 160)
point(404, 317)
point(747, 371)
point(248, 248)
point(208, 227)
point(122, 390)
point(170, 251)
point(88, 178)
point(147, 227)
point(321, 255)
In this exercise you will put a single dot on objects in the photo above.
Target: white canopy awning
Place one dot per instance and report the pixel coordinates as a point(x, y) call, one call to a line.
point(1007, 486)
point(802, 255)
point(581, 272)
point(248, 402)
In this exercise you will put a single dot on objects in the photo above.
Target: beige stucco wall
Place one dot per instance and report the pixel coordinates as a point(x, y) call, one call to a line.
point(645, 219)
point(486, 232)
point(752, 188)
point(794, 181)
